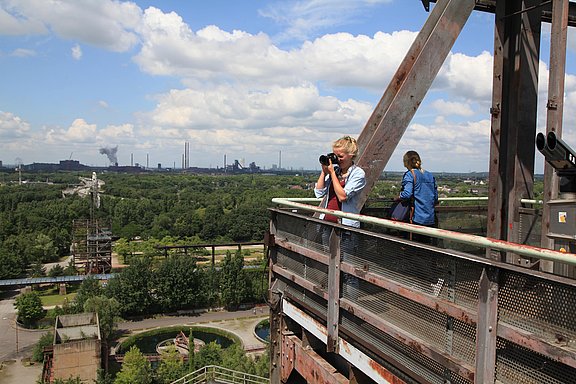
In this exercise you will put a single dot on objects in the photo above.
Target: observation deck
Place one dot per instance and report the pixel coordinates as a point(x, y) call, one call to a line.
point(385, 309)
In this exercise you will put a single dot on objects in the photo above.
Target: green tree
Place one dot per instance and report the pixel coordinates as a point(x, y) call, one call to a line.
point(108, 310)
point(135, 368)
point(209, 354)
point(234, 287)
point(177, 283)
point(262, 364)
point(171, 366)
point(133, 287)
point(44, 249)
point(235, 358)
point(45, 340)
point(29, 308)
point(90, 287)
point(56, 270)
point(37, 270)
point(10, 264)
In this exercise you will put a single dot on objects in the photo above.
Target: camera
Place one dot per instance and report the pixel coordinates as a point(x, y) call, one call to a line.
point(325, 159)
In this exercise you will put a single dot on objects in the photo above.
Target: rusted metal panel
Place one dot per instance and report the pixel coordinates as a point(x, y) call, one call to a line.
point(406, 98)
point(288, 356)
point(513, 125)
point(453, 364)
point(442, 306)
point(349, 352)
point(309, 364)
point(554, 349)
point(309, 253)
point(333, 292)
point(299, 280)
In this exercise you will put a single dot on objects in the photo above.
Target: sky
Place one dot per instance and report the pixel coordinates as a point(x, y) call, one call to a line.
point(270, 82)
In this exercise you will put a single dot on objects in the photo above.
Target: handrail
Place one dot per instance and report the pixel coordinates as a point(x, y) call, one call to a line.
point(473, 240)
point(214, 373)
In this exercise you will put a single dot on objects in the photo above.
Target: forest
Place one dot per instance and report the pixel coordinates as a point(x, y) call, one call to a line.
point(36, 220)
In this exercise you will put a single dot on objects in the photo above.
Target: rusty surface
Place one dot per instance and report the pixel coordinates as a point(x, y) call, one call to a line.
point(456, 311)
point(460, 367)
point(556, 350)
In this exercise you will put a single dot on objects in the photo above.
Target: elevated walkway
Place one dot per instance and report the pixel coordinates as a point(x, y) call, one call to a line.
point(368, 307)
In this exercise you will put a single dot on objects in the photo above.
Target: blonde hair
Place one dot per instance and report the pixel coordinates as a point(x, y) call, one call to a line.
point(348, 144)
point(412, 160)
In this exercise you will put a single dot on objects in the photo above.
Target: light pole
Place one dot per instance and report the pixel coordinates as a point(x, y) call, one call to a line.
point(16, 328)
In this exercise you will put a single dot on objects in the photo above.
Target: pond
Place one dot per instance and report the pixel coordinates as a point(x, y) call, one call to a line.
point(262, 330)
point(147, 343)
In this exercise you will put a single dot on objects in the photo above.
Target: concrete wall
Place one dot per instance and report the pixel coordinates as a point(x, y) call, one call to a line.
point(77, 359)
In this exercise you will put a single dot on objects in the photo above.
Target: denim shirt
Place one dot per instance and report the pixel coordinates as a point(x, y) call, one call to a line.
point(425, 195)
point(355, 182)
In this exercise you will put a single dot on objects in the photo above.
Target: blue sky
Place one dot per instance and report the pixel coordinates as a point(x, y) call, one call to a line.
point(243, 79)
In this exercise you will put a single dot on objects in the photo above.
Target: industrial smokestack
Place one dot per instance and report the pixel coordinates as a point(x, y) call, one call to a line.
point(110, 153)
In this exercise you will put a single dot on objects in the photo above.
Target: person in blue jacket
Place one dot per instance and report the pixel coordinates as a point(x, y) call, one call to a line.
point(421, 185)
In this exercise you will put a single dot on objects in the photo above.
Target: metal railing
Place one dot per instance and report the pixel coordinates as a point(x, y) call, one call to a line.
point(216, 374)
point(435, 315)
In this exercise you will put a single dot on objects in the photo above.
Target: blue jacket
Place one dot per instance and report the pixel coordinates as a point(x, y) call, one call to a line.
point(355, 182)
point(425, 195)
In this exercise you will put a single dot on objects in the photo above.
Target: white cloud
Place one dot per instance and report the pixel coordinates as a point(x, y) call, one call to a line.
point(76, 52)
point(467, 76)
point(452, 108)
point(103, 23)
point(80, 131)
point(12, 126)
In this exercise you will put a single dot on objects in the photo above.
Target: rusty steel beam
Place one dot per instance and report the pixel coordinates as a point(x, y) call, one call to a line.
point(546, 8)
point(300, 281)
point(349, 352)
point(333, 292)
point(513, 125)
point(399, 78)
point(409, 86)
point(555, 109)
point(487, 326)
point(309, 364)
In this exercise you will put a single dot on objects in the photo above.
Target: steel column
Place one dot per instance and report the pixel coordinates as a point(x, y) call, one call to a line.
point(487, 326)
point(333, 292)
point(555, 109)
point(514, 110)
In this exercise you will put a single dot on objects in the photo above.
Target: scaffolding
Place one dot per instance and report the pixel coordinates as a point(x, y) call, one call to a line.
point(91, 246)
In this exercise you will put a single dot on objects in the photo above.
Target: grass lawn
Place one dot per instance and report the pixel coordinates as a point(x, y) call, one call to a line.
point(57, 299)
point(50, 295)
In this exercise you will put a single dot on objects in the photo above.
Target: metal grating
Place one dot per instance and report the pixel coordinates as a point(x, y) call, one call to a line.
point(531, 305)
point(543, 307)
point(516, 364)
point(409, 357)
point(309, 269)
